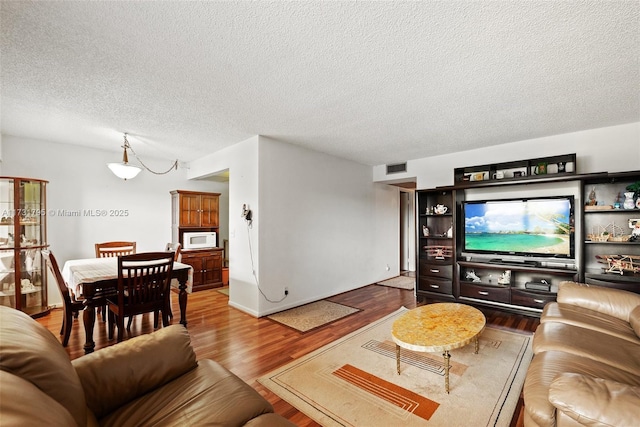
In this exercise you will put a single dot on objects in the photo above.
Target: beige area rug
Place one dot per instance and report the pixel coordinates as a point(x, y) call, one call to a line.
point(353, 381)
point(312, 316)
point(224, 291)
point(402, 282)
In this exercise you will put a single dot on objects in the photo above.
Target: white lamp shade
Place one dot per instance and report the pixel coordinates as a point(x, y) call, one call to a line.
point(124, 170)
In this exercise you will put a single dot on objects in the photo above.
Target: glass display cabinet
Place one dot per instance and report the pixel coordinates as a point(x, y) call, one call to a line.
point(23, 234)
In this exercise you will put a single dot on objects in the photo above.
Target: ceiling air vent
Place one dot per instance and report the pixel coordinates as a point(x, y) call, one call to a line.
point(397, 168)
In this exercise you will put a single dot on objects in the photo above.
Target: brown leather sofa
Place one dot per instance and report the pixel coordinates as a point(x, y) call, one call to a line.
point(586, 364)
point(152, 379)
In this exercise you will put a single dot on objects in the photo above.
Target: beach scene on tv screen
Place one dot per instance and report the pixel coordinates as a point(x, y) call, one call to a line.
point(533, 226)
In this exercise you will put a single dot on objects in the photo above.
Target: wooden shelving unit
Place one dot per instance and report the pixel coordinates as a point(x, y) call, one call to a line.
point(516, 172)
point(198, 211)
point(445, 278)
point(436, 243)
point(604, 216)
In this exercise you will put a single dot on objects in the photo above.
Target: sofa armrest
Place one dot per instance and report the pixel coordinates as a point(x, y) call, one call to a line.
point(595, 401)
point(118, 374)
point(610, 301)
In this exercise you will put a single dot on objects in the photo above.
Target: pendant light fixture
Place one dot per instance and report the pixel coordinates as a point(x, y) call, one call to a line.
point(126, 171)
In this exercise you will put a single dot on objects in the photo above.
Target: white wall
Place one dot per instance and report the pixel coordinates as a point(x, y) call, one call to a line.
point(79, 180)
point(610, 149)
point(241, 160)
point(325, 227)
point(321, 227)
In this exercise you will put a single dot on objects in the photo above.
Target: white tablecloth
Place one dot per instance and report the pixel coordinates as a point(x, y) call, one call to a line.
point(78, 271)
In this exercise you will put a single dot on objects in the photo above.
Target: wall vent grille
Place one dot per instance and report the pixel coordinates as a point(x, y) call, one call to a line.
point(397, 168)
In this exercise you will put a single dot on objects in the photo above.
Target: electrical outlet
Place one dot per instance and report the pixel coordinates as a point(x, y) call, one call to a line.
point(286, 291)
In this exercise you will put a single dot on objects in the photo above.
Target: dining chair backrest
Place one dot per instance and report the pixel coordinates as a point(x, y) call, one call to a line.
point(176, 248)
point(70, 305)
point(115, 249)
point(144, 281)
point(52, 265)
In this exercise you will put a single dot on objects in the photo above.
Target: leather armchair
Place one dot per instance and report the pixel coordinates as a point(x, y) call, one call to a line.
point(153, 379)
point(586, 364)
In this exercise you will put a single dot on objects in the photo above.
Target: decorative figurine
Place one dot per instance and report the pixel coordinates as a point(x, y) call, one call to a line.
point(471, 274)
point(425, 231)
point(505, 278)
point(634, 225)
point(562, 167)
point(26, 285)
point(618, 203)
point(592, 197)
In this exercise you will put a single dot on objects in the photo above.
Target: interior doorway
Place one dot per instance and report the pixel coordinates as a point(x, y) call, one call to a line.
point(407, 231)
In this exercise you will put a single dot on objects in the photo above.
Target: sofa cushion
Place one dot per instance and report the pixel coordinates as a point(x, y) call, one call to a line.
point(118, 374)
point(585, 318)
point(613, 302)
point(23, 404)
point(206, 395)
point(546, 366)
point(31, 352)
point(634, 320)
point(596, 401)
point(595, 345)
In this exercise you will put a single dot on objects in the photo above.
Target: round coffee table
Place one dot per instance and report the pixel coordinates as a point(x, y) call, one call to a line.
point(438, 327)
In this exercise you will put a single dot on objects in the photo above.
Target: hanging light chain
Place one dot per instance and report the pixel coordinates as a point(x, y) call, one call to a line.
point(128, 146)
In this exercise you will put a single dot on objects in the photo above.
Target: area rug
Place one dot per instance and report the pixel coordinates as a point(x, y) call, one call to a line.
point(402, 282)
point(353, 381)
point(313, 315)
point(224, 291)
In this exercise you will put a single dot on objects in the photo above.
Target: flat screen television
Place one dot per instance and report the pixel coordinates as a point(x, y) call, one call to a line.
point(541, 227)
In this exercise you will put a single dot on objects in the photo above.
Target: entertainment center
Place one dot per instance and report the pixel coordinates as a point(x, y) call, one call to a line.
point(505, 234)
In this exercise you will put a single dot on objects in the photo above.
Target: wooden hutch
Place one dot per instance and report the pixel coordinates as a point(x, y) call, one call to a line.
point(193, 211)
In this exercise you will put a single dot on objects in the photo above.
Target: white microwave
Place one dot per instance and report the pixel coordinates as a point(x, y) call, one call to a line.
point(199, 239)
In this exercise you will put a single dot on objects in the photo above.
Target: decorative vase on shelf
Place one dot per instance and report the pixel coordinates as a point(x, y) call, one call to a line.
point(628, 200)
point(638, 203)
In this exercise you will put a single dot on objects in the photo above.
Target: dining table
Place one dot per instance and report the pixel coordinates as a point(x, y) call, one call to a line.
point(92, 279)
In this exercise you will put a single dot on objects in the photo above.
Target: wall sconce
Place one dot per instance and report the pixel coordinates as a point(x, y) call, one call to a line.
point(126, 171)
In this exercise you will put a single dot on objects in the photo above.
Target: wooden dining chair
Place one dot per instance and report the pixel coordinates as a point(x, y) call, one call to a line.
point(176, 248)
point(114, 249)
point(144, 282)
point(71, 306)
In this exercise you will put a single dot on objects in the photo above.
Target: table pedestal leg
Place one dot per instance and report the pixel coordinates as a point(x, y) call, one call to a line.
point(398, 358)
point(182, 299)
point(446, 356)
point(477, 345)
point(89, 318)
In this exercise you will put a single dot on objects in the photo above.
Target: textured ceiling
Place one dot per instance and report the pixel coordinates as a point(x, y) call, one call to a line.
point(374, 82)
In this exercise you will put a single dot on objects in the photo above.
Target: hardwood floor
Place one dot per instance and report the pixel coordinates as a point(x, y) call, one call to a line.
point(251, 347)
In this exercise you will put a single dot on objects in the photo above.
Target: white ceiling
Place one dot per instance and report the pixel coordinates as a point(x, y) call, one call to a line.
point(374, 82)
